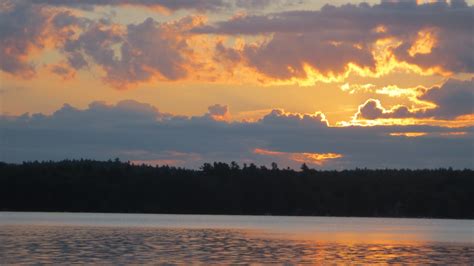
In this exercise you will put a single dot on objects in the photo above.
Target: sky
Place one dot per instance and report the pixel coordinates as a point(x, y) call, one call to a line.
point(333, 84)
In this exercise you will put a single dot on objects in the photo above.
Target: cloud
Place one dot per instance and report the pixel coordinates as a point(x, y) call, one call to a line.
point(101, 116)
point(171, 5)
point(454, 98)
point(218, 112)
point(63, 71)
point(372, 109)
point(300, 47)
point(166, 5)
point(287, 55)
point(353, 88)
point(140, 132)
point(303, 157)
point(279, 117)
point(409, 134)
point(127, 54)
point(368, 40)
point(21, 30)
point(28, 29)
point(136, 53)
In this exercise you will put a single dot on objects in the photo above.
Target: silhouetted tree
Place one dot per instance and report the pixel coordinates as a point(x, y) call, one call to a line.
point(274, 166)
point(234, 166)
point(220, 188)
point(304, 168)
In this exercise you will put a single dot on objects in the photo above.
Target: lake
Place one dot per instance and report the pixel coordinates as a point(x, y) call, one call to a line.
point(160, 238)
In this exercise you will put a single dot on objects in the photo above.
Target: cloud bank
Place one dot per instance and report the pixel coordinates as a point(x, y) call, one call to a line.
point(140, 132)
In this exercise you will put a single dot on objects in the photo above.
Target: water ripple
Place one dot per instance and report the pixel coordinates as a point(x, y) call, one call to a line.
point(121, 245)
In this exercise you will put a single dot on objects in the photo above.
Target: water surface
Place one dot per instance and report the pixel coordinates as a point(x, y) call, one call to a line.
point(150, 238)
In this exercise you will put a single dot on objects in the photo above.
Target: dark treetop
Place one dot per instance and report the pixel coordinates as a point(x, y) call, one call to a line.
point(220, 188)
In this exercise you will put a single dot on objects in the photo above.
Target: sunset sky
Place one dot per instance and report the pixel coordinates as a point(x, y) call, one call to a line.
point(335, 84)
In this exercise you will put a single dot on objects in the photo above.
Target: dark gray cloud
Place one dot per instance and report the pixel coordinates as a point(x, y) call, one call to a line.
point(286, 54)
point(25, 28)
point(167, 4)
point(21, 30)
point(252, 5)
point(218, 112)
point(372, 109)
point(172, 5)
point(135, 54)
point(140, 132)
point(330, 38)
point(218, 109)
point(454, 98)
point(63, 71)
point(352, 20)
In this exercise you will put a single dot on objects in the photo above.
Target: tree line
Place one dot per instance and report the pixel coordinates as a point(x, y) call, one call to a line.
point(221, 188)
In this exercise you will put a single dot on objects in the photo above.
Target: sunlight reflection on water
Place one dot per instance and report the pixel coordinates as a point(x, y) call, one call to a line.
point(54, 243)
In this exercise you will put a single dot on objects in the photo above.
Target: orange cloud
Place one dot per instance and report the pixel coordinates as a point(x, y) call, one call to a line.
point(353, 88)
point(395, 91)
point(301, 157)
point(425, 42)
point(452, 100)
point(380, 60)
point(364, 40)
point(459, 122)
point(276, 49)
point(63, 70)
point(408, 134)
point(218, 112)
point(454, 133)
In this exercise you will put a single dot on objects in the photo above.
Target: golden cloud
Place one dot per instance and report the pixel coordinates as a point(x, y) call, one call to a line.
point(300, 157)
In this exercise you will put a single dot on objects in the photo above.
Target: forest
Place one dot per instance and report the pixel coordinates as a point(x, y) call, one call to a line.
point(221, 188)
